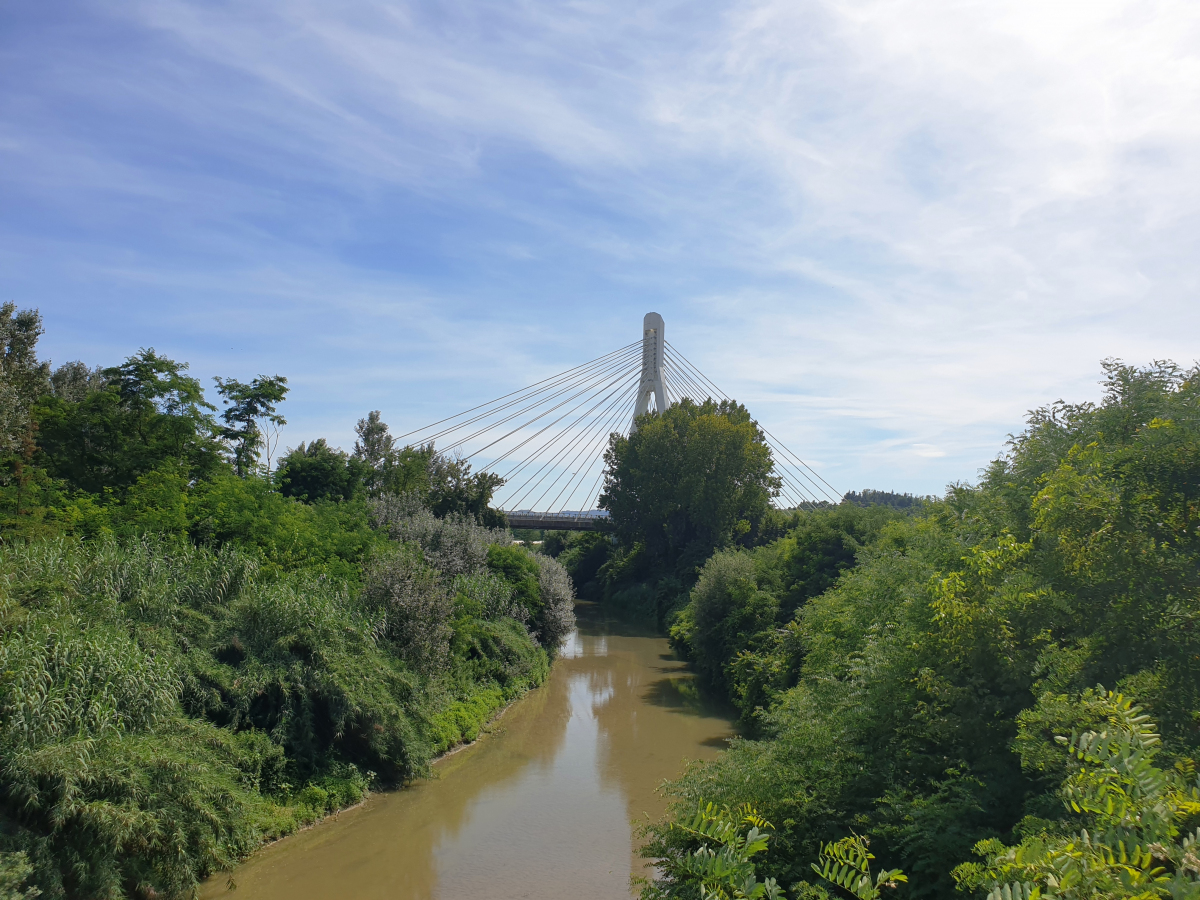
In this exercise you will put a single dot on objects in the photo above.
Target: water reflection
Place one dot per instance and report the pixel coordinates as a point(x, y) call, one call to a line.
point(540, 808)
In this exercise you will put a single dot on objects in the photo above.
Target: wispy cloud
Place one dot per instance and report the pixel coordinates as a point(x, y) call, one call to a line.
point(891, 226)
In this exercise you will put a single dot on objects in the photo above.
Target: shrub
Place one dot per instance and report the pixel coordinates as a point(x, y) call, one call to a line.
point(415, 606)
point(558, 603)
point(106, 787)
point(488, 596)
point(727, 612)
point(454, 545)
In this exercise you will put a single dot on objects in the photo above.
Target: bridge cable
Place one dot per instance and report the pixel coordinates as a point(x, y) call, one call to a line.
point(532, 485)
point(796, 493)
point(783, 448)
point(797, 490)
point(557, 436)
point(521, 391)
point(536, 434)
point(597, 445)
point(557, 388)
point(603, 373)
point(596, 484)
point(789, 495)
point(596, 433)
point(516, 470)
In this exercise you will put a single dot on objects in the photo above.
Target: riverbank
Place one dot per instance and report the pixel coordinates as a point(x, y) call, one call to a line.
point(546, 800)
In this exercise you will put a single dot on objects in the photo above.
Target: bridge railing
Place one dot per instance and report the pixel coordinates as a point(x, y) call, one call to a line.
point(587, 521)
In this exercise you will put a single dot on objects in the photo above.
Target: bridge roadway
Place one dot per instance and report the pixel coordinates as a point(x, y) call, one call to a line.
point(558, 521)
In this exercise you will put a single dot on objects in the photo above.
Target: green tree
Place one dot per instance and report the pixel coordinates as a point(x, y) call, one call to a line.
point(898, 695)
point(147, 412)
point(689, 480)
point(714, 857)
point(22, 377)
point(1133, 832)
point(454, 490)
point(320, 472)
point(375, 442)
point(251, 419)
point(73, 381)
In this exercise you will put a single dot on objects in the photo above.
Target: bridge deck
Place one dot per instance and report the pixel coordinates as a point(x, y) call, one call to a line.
point(557, 521)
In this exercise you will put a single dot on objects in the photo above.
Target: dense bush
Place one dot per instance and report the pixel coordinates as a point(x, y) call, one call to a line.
point(455, 544)
point(157, 688)
point(892, 702)
point(414, 605)
point(197, 654)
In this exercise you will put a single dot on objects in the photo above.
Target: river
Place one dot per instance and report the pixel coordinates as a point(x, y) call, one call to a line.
point(543, 806)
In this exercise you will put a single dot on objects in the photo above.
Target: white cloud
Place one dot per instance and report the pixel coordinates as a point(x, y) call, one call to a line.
point(890, 226)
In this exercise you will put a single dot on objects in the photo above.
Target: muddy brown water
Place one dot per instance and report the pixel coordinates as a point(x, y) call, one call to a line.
point(543, 806)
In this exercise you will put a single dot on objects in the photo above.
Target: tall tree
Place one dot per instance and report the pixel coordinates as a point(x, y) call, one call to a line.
point(110, 428)
point(251, 418)
point(375, 443)
point(74, 381)
point(688, 480)
point(453, 489)
point(22, 377)
point(445, 484)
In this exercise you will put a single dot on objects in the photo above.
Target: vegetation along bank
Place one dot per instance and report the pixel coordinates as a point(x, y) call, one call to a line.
point(918, 677)
point(196, 655)
point(993, 693)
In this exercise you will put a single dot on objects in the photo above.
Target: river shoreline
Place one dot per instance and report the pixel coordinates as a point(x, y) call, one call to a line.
point(547, 799)
point(484, 730)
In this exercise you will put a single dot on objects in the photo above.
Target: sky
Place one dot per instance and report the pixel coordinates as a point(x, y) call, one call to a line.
point(889, 227)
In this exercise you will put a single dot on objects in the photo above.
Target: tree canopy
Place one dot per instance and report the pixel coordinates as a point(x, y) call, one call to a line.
point(688, 480)
point(915, 697)
point(198, 654)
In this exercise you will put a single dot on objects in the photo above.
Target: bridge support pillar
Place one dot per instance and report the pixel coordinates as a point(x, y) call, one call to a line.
point(651, 384)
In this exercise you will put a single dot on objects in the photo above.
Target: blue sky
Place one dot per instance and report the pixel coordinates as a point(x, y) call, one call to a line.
point(890, 228)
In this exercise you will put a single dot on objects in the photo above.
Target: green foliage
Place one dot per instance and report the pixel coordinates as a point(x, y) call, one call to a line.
point(286, 534)
point(1136, 834)
point(97, 759)
point(147, 415)
point(822, 545)
point(847, 864)
point(15, 869)
point(726, 615)
point(906, 502)
point(22, 377)
point(892, 702)
point(542, 587)
point(444, 484)
point(319, 472)
point(453, 490)
point(251, 418)
point(583, 554)
point(689, 480)
point(722, 867)
point(519, 568)
point(165, 707)
point(192, 662)
point(737, 627)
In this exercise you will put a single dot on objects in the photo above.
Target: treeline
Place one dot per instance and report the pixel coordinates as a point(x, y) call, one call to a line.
point(910, 673)
point(199, 653)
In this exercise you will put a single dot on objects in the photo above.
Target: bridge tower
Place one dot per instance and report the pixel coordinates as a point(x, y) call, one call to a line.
point(653, 342)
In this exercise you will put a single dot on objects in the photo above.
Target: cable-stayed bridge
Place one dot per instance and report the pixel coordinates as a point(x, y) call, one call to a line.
point(547, 440)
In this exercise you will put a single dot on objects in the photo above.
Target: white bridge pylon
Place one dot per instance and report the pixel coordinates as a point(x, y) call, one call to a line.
point(547, 441)
point(654, 340)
